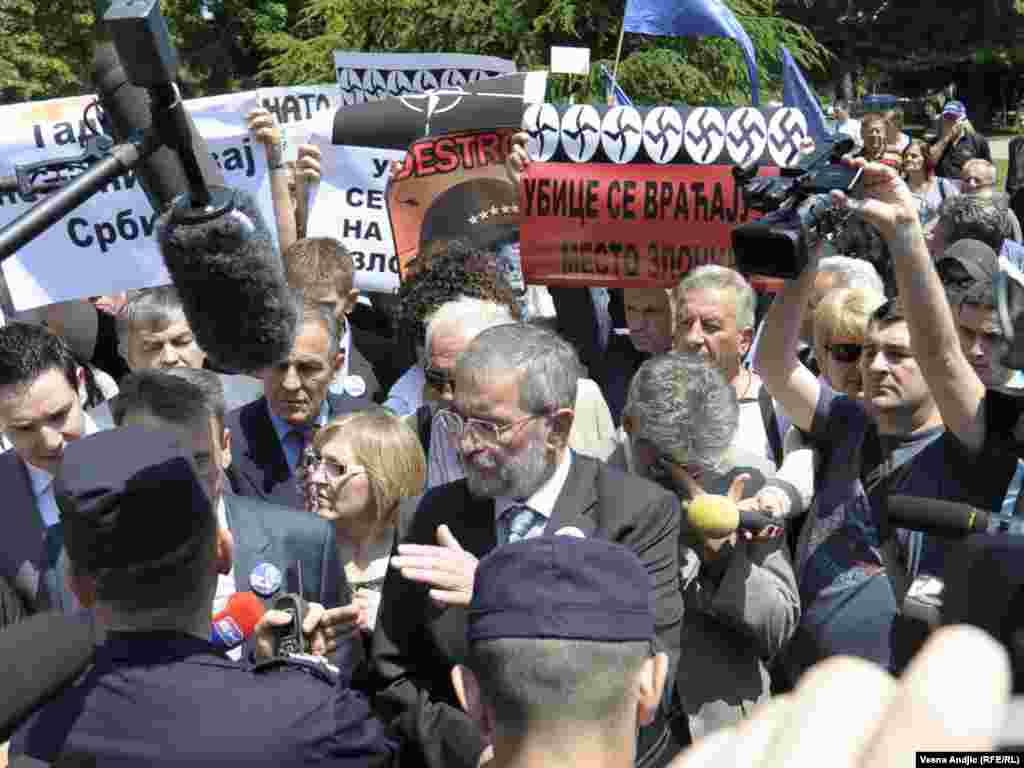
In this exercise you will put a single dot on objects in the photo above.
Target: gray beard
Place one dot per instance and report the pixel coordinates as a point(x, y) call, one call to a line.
point(520, 478)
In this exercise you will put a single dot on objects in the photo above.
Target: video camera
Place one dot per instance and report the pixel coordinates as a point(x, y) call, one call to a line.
point(798, 210)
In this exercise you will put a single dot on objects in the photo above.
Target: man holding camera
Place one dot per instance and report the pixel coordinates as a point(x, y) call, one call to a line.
point(910, 435)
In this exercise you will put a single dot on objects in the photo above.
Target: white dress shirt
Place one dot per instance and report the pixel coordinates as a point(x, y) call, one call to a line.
point(226, 585)
point(544, 498)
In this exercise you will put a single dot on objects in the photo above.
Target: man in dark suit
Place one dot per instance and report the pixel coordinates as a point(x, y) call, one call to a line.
point(514, 393)
point(267, 539)
point(270, 435)
point(40, 412)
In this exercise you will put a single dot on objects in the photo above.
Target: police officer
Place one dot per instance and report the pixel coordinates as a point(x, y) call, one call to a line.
point(561, 667)
point(145, 550)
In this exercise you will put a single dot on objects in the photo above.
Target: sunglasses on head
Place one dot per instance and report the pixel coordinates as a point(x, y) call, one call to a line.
point(845, 353)
point(439, 378)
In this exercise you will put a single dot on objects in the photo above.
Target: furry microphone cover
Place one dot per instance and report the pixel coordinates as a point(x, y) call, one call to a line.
point(232, 284)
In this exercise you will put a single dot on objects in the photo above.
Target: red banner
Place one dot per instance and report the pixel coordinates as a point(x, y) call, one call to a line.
point(626, 225)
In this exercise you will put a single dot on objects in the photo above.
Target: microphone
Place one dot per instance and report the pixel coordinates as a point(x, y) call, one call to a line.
point(237, 622)
point(38, 657)
point(231, 281)
point(715, 517)
point(129, 109)
point(947, 519)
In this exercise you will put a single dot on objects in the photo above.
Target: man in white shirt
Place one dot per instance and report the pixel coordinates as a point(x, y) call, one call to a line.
point(40, 412)
point(847, 125)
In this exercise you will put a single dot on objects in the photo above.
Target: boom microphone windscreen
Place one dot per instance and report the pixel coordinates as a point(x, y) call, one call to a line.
point(128, 108)
point(237, 622)
point(232, 284)
point(38, 657)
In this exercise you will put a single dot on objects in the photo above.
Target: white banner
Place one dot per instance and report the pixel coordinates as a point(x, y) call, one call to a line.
point(295, 108)
point(107, 244)
point(349, 205)
point(366, 77)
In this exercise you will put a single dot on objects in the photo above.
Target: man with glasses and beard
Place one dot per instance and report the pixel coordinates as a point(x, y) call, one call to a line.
point(515, 386)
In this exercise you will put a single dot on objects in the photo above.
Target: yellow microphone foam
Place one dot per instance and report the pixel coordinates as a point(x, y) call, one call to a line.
point(714, 516)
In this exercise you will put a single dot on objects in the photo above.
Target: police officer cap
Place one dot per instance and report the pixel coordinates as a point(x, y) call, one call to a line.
point(561, 587)
point(128, 496)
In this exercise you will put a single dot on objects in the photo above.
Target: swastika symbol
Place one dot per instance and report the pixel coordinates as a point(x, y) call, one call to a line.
point(745, 135)
point(705, 134)
point(785, 131)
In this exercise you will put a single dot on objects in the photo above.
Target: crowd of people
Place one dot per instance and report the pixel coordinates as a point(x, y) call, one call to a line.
point(491, 501)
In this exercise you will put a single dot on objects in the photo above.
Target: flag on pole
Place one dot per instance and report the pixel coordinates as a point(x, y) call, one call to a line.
point(796, 93)
point(616, 96)
point(692, 18)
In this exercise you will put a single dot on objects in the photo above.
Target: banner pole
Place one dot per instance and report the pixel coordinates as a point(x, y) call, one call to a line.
point(618, 50)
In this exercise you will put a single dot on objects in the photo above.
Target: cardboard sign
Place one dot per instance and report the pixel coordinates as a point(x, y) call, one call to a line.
point(453, 187)
point(626, 226)
point(107, 244)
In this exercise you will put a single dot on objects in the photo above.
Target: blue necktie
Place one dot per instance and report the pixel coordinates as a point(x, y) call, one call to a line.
point(516, 522)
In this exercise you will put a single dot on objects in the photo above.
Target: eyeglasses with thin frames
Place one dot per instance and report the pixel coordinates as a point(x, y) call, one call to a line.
point(332, 470)
point(485, 431)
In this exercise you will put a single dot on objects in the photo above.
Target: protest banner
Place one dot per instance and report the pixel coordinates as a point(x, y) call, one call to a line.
point(453, 187)
point(367, 77)
point(360, 143)
point(296, 107)
point(107, 244)
point(640, 197)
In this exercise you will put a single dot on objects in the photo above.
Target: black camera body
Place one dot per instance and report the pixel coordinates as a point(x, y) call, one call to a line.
point(798, 210)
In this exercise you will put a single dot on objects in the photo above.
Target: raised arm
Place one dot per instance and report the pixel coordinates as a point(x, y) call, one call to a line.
point(267, 132)
point(776, 361)
point(957, 390)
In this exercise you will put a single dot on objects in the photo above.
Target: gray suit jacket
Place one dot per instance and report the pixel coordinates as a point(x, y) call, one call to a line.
point(36, 569)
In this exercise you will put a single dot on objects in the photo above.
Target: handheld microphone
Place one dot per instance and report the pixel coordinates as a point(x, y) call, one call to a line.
point(237, 622)
point(947, 519)
point(715, 517)
point(38, 657)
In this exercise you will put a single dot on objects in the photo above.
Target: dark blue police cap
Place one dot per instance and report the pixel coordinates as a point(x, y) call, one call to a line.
point(128, 496)
point(561, 587)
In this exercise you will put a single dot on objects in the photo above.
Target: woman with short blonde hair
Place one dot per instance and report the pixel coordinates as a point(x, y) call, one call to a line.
point(359, 469)
point(840, 325)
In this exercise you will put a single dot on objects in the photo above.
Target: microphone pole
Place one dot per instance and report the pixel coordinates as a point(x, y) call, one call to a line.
point(47, 212)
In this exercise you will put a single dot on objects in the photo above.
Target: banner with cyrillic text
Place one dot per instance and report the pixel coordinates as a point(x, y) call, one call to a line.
point(625, 225)
point(107, 245)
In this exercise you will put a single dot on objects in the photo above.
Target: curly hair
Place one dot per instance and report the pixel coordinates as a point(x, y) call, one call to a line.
point(451, 274)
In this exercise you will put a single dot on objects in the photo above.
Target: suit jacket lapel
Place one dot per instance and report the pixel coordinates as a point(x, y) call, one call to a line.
point(251, 543)
point(267, 466)
point(475, 530)
point(578, 496)
point(360, 366)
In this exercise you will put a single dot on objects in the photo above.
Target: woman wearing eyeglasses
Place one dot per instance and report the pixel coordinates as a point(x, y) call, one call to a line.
point(840, 322)
point(359, 469)
point(929, 190)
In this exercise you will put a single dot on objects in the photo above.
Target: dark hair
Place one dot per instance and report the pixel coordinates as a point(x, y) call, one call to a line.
point(978, 218)
point(317, 262)
point(444, 280)
point(892, 311)
point(28, 351)
point(182, 396)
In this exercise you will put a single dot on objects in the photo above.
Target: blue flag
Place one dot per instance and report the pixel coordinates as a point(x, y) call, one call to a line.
point(692, 18)
point(796, 93)
point(616, 96)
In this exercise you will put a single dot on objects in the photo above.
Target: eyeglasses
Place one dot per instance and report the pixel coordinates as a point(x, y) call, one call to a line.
point(439, 378)
point(845, 353)
point(975, 182)
point(485, 431)
point(314, 462)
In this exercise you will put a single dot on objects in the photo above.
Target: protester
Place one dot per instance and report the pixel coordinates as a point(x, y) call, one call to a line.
point(847, 125)
point(189, 403)
point(266, 130)
point(158, 693)
point(715, 319)
point(153, 332)
point(874, 129)
point(895, 139)
point(957, 142)
point(929, 190)
point(41, 414)
point(270, 435)
point(514, 390)
point(321, 268)
point(974, 217)
point(979, 177)
point(561, 670)
point(362, 466)
point(840, 325)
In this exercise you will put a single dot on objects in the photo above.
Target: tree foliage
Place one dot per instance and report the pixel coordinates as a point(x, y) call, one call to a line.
point(651, 70)
point(45, 48)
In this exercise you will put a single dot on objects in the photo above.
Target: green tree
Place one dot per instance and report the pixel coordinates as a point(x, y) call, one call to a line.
point(651, 70)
